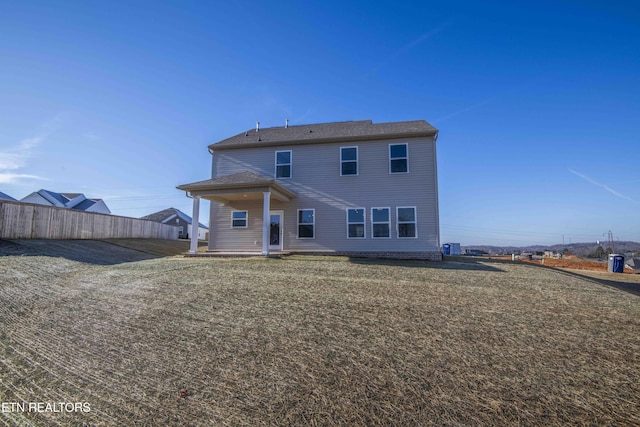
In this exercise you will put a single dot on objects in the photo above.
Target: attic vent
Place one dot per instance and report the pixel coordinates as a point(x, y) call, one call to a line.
point(310, 131)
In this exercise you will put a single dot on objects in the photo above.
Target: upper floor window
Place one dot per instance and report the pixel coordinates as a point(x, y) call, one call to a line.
point(406, 222)
point(381, 223)
point(239, 219)
point(283, 164)
point(355, 223)
point(398, 158)
point(348, 160)
point(306, 223)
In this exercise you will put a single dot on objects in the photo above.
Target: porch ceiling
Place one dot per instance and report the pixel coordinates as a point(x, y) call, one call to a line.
point(240, 186)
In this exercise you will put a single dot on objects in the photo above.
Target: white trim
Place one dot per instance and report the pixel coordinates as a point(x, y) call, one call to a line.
point(193, 247)
point(364, 222)
point(306, 223)
point(164, 221)
point(414, 222)
point(266, 208)
point(373, 236)
point(290, 164)
point(349, 161)
point(399, 158)
point(246, 219)
point(281, 236)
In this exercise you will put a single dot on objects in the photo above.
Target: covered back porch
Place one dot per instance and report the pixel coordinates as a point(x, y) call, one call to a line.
point(239, 187)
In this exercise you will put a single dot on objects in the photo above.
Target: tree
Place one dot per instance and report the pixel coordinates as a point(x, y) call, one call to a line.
point(598, 253)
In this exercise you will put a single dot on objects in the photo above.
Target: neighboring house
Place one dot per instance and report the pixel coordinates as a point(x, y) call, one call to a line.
point(4, 196)
point(632, 263)
point(74, 201)
point(354, 188)
point(176, 217)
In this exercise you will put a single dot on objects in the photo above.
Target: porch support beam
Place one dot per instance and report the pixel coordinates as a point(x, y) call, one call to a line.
point(195, 225)
point(266, 223)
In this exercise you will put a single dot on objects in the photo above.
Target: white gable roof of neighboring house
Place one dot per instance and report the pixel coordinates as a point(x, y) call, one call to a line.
point(76, 201)
point(4, 196)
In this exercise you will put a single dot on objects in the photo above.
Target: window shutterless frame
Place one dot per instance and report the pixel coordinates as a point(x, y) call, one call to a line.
point(399, 158)
point(306, 223)
point(239, 219)
point(380, 223)
point(348, 161)
point(406, 222)
point(356, 227)
point(283, 164)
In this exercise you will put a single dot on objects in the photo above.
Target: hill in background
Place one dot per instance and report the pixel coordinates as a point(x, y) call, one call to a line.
point(626, 248)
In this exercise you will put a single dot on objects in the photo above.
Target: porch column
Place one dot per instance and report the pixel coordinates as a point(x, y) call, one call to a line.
point(266, 222)
point(194, 225)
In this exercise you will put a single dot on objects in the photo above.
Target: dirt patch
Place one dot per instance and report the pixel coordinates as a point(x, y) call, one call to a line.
point(576, 263)
point(315, 341)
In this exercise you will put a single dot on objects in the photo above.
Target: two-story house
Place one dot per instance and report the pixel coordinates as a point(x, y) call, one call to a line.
point(353, 188)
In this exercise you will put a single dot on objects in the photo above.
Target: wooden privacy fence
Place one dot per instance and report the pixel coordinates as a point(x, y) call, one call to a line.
point(29, 221)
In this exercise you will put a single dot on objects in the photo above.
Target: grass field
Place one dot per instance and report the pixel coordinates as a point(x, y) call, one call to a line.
point(172, 341)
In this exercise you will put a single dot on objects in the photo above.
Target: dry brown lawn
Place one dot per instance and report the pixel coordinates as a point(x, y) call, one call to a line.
point(179, 341)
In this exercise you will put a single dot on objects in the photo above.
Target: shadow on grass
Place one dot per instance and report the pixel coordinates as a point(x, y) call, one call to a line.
point(623, 285)
point(630, 287)
point(449, 263)
point(86, 251)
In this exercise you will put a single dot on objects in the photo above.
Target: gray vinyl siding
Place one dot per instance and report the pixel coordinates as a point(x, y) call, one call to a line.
point(318, 185)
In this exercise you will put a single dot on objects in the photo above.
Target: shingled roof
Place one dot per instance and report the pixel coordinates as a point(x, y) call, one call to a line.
point(240, 179)
point(170, 213)
point(326, 132)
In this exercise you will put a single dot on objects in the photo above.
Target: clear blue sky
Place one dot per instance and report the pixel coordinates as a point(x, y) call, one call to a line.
point(537, 103)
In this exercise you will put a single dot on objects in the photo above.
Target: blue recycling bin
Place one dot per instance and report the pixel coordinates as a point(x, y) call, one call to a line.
point(446, 249)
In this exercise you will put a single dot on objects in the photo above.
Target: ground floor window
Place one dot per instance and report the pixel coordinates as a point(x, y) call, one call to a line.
point(306, 223)
point(380, 223)
point(239, 219)
point(355, 223)
point(406, 221)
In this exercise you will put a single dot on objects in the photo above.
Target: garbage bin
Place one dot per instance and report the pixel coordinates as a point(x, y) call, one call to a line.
point(616, 263)
point(446, 249)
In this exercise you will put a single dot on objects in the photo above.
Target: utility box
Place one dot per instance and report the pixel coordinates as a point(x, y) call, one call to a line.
point(451, 249)
point(616, 263)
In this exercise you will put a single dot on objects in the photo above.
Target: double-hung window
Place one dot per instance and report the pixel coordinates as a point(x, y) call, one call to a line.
point(406, 222)
point(398, 158)
point(239, 219)
point(381, 223)
point(283, 164)
point(348, 161)
point(306, 223)
point(355, 224)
